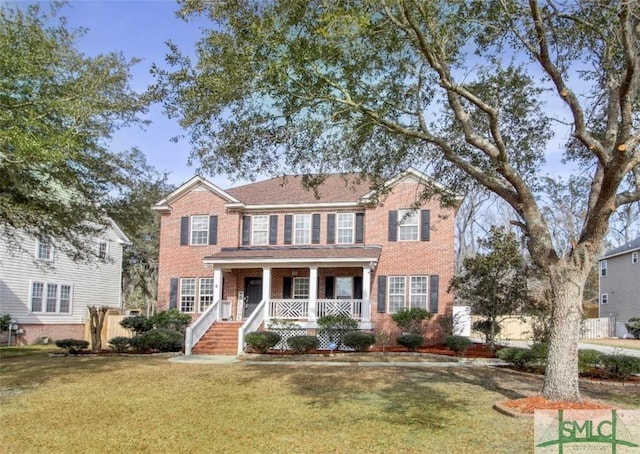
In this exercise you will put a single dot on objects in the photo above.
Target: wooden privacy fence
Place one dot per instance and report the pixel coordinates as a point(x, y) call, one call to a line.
point(110, 329)
point(516, 328)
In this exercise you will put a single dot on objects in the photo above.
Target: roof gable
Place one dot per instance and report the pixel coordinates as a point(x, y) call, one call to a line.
point(193, 184)
point(633, 245)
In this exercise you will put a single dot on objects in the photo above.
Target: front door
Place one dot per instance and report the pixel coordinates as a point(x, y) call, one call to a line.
point(252, 294)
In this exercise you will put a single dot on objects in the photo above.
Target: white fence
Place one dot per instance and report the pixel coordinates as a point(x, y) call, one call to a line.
point(597, 328)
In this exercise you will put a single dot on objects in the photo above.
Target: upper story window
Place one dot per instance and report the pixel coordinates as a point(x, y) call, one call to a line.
point(103, 249)
point(50, 298)
point(44, 250)
point(260, 230)
point(302, 229)
point(345, 227)
point(300, 287)
point(604, 298)
point(634, 257)
point(199, 230)
point(603, 268)
point(408, 225)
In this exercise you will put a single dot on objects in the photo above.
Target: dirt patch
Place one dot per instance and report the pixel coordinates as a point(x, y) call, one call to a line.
point(526, 406)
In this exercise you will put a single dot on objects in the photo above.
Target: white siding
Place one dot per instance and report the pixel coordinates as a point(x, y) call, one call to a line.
point(622, 285)
point(92, 284)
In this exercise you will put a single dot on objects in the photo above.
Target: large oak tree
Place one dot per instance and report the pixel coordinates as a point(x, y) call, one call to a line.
point(464, 89)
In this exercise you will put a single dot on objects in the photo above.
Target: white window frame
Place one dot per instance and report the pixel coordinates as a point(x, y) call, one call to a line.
point(345, 225)
point(634, 257)
point(44, 246)
point(103, 249)
point(604, 298)
point(416, 293)
point(187, 295)
point(393, 293)
point(342, 283)
point(206, 293)
point(260, 230)
point(302, 228)
point(199, 237)
point(300, 288)
point(603, 268)
point(408, 225)
point(48, 301)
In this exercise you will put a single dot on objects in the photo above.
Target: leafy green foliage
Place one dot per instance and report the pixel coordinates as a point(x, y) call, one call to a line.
point(458, 344)
point(335, 327)
point(262, 341)
point(620, 366)
point(137, 324)
point(410, 320)
point(521, 358)
point(490, 329)
point(411, 341)
point(171, 319)
point(72, 345)
point(303, 344)
point(120, 343)
point(58, 110)
point(633, 326)
point(588, 358)
point(158, 339)
point(360, 341)
point(5, 321)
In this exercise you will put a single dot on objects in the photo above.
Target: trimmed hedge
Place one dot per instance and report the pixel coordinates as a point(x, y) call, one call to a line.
point(72, 345)
point(303, 344)
point(411, 341)
point(633, 326)
point(359, 340)
point(521, 358)
point(458, 344)
point(120, 343)
point(588, 358)
point(620, 366)
point(159, 339)
point(262, 340)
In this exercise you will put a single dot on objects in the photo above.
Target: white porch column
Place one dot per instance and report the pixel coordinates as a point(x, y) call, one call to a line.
point(217, 290)
point(266, 292)
point(313, 293)
point(366, 286)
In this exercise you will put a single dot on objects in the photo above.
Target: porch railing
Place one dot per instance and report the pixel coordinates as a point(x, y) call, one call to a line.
point(200, 326)
point(252, 323)
point(352, 308)
point(289, 309)
point(298, 309)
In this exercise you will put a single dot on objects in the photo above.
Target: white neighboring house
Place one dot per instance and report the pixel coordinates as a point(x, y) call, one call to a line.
point(47, 294)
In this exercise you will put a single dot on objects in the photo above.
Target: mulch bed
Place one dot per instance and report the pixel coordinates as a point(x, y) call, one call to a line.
point(525, 407)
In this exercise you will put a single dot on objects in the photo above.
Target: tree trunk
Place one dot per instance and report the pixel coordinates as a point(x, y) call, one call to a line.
point(561, 377)
point(96, 321)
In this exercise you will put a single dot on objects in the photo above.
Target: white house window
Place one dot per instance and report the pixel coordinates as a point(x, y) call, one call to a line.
point(408, 225)
point(103, 249)
point(344, 227)
point(199, 230)
point(603, 268)
point(260, 230)
point(604, 298)
point(634, 257)
point(344, 287)
point(44, 250)
point(302, 229)
point(187, 295)
point(418, 296)
point(300, 287)
point(206, 293)
point(396, 293)
point(50, 297)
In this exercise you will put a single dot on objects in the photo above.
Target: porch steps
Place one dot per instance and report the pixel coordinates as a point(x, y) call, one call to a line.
point(221, 339)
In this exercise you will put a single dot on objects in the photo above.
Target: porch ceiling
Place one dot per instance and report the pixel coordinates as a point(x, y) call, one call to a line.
point(294, 256)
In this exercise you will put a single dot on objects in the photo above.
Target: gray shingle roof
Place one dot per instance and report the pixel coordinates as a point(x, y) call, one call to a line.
point(629, 247)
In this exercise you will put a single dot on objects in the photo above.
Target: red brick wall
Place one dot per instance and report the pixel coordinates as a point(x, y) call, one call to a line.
point(34, 333)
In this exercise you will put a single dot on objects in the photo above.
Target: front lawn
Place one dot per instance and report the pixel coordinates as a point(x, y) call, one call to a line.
point(147, 404)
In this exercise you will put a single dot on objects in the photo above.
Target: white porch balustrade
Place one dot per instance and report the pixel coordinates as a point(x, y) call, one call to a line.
point(298, 309)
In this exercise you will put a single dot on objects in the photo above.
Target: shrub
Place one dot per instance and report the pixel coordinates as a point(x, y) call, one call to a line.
point(521, 358)
point(359, 340)
point(410, 320)
point(588, 358)
point(5, 322)
point(302, 344)
point(411, 341)
point(262, 340)
point(620, 366)
point(633, 326)
point(137, 324)
point(72, 345)
point(336, 326)
point(458, 344)
point(484, 327)
point(158, 339)
point(172, 319)
point(119, 343)
point(540, 350)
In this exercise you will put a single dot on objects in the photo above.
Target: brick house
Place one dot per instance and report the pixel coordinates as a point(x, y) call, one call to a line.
point(238, 259)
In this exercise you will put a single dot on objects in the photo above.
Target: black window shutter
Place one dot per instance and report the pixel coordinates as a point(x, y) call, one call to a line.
point(331, 228)
point(288, 219)
point(393, 226)
point(424, 225)
point(246, 229)
point(315, 228)
point(328, 287)
point(273, 229)
point(433, 293)
point(184, 231)
point(173, 293)
point(286, 287)
point(382, 294)
point(357, 287)
point(213, 229)
point(359, 227)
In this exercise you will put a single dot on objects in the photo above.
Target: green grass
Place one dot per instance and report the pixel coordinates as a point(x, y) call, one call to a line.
point(147, 404)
